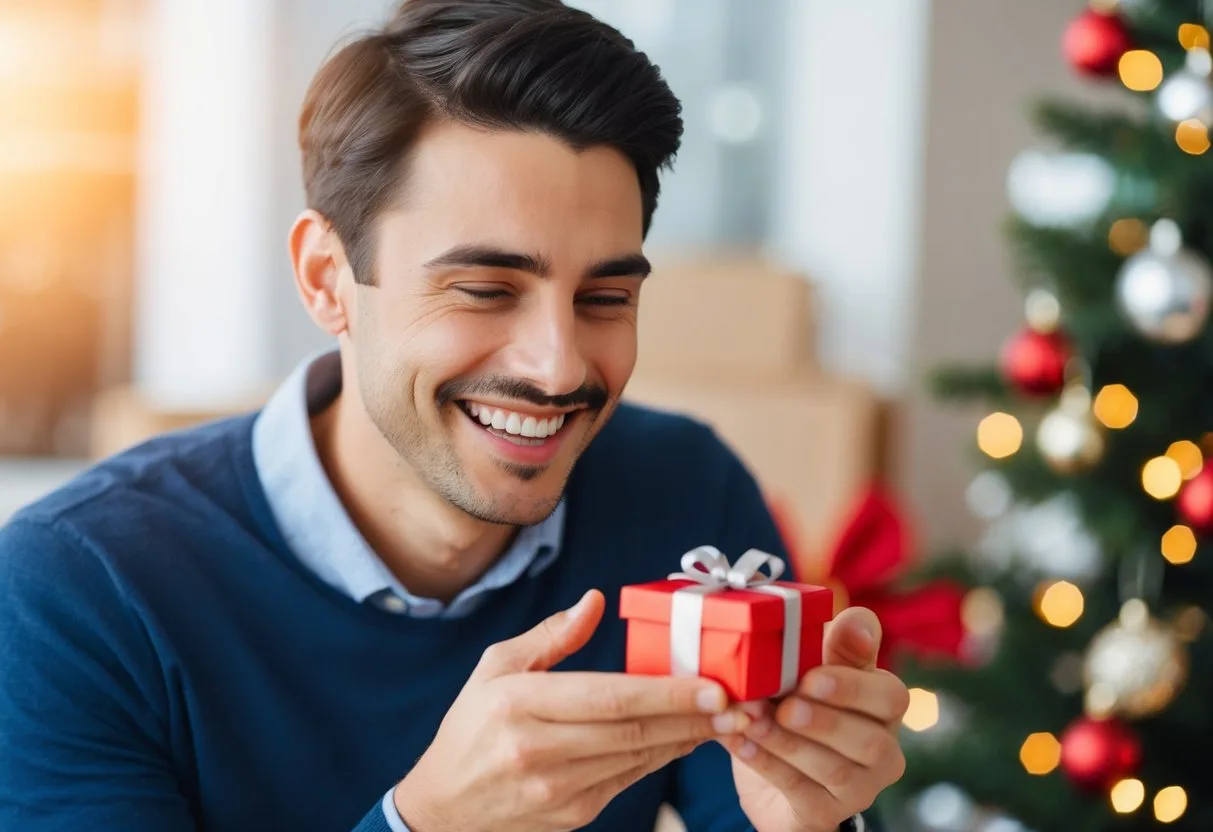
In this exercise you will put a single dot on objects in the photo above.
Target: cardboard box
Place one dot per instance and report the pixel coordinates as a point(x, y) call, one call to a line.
point(811, 442)
point(740, 636)
point(122, 418)
point(729, 314)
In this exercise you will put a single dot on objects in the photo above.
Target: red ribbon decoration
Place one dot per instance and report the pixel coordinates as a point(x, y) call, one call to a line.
point(871, 554)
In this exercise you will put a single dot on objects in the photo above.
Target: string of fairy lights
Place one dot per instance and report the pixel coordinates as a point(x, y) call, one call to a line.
point(1137, 664)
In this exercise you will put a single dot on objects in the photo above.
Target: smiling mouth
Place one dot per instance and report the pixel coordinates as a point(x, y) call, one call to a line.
point(520, 428)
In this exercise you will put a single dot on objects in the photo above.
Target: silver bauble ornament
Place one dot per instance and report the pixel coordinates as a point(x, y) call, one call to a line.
point(1164, 290)
point(1134, 667)
point(1068, 437)
point(1188, 94)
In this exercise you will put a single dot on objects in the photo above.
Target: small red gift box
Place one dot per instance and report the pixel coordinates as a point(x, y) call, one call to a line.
point(754, 635)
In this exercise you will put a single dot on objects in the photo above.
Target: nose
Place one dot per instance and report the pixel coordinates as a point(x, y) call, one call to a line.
point(544, 348)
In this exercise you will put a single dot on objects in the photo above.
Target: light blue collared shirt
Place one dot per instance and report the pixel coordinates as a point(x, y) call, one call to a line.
point(321, 534)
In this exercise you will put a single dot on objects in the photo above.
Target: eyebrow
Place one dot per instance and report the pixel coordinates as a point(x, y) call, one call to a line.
point(488, 257)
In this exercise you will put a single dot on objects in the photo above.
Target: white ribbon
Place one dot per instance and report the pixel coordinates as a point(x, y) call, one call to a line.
point(712, 573)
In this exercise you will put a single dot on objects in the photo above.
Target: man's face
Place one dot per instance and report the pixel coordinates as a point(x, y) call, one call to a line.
point(502, 327)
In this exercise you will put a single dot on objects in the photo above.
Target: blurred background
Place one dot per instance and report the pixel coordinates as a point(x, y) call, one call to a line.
point(148, 175)
point(835, 230)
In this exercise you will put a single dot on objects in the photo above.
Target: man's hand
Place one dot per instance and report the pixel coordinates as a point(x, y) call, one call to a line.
point(827, 750)
point(524, 749)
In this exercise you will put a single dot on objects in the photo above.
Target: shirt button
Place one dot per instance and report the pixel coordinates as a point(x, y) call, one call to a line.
point(394, 603)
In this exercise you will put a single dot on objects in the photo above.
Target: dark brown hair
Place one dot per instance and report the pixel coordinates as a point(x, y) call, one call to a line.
point(501, 64)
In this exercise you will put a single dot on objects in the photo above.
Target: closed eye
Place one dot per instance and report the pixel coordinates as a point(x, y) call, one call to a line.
point(483, 294)
point(607, 300)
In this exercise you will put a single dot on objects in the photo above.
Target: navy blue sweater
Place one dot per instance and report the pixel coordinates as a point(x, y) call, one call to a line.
point(166, 663)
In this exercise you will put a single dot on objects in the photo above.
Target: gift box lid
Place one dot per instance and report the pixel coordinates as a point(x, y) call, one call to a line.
point(741, 610)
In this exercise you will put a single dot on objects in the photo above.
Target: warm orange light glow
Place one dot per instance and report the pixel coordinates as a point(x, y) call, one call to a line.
point(1170, 804)
point(999, 435)
point(1128, 236)
point(1179, 545)
point(1127, 796)
point(1040, 753)
point(1140, 70)
point(923, 712)
point(1193, 36)
point(1192, 137)
point(1059, 604)
point(1161, 477)
point(1189, 457)
point(1115, 406)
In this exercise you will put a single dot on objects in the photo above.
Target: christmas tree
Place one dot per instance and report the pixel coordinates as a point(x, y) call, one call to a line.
point(1084, 696)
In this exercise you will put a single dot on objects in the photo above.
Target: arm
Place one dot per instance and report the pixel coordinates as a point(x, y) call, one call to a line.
point(83, 742)
point(84, 736)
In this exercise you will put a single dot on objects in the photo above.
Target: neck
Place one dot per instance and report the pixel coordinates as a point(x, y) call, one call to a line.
point(434, 549)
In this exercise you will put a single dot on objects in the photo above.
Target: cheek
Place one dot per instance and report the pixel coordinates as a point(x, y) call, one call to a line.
point(451, 346)
point(612, 351)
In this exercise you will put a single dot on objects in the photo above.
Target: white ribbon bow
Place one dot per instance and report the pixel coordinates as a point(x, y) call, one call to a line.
point(708, 565)
point(711, 571)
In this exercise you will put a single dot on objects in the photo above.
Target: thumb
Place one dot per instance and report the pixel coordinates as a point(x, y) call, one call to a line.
point(547, 643)
point(853, 639)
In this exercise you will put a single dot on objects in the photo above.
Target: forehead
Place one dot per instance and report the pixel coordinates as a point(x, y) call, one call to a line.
point(467, 184)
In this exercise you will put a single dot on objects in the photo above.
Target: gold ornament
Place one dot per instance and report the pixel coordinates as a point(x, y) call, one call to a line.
point(1134, 667)
point(1068, 437)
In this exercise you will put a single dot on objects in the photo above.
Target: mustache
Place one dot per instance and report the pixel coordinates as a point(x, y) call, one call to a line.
point(591, 396)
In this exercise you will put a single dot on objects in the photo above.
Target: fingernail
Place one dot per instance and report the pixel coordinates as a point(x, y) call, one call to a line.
point(710, 700)
point(754, 709)
point(799, 714)
point(747, 750)
point(821, 686)
point(759, 729)
point(730, 723)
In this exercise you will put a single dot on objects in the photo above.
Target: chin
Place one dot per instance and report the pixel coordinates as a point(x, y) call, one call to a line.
point(510, 506)
point(512, 472)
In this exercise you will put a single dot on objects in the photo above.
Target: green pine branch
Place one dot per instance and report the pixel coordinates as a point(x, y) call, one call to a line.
point(960, 383)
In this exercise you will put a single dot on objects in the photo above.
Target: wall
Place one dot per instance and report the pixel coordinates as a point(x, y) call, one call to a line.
point(988, 61)
point(309, 31)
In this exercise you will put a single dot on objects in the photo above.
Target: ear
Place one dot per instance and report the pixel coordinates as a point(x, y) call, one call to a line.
point(320, 265)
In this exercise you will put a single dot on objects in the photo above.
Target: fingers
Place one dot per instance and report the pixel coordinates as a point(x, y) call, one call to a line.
point(852, 639)
point(546, 644)
point(801, 791)
point(600, 697)
point(575, 808)
point(564, 741)
point(861, 740)
point(877, 694)
point(610, 774)
point(848, 782)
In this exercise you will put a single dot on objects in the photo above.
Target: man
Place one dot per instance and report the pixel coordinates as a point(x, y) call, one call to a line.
point(346, 611)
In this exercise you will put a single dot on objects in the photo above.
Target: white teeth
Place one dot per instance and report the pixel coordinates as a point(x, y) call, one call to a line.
point(516, 424)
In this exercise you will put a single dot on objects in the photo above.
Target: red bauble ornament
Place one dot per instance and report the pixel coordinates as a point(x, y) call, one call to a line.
point(1094, 43)
point(1095, 753)
point(1194, 503)
point(1035, 362)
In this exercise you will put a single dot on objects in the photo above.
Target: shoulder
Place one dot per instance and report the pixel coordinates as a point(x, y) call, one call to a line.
point(119, 503)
